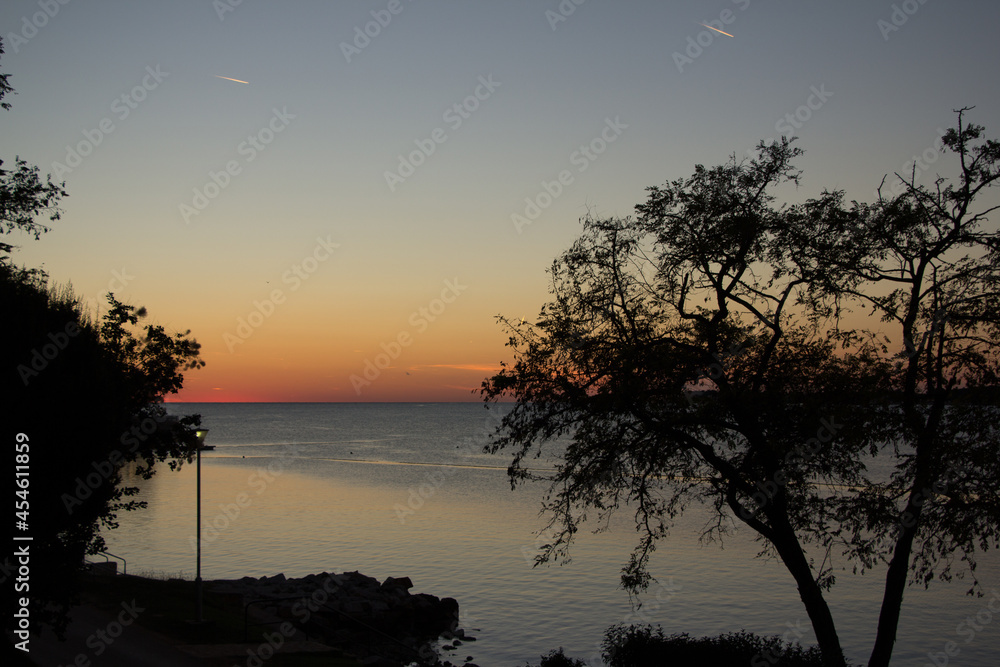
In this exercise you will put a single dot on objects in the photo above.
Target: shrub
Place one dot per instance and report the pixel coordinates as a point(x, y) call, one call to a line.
point(558, 659)
point(642, 646)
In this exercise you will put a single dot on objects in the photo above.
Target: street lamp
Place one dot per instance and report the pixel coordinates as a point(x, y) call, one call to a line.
point(200, 435)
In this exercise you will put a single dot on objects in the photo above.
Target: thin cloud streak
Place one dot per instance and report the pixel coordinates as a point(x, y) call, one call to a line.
point(229, 79)
point(717, 30)
point(457, 367)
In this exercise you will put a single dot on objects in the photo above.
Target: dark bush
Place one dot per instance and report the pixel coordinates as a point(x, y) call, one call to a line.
point(647, 646)
point(558, 659)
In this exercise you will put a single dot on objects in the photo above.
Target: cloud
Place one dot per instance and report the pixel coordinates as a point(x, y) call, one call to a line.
point(481, 368)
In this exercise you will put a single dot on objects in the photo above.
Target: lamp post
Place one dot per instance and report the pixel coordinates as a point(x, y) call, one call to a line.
point(200, 435)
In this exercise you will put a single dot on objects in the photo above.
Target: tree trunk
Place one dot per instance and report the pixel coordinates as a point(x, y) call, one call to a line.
point(811, 594)
point(899, 566)
point(895, 584)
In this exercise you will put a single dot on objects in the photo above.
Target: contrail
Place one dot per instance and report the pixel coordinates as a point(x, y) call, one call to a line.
point(237, 80)
point(707, 26)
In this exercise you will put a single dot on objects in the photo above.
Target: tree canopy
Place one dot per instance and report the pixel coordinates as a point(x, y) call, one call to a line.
point(23, 194)
point(86, 411)
point(769, 360)
point(83, 407)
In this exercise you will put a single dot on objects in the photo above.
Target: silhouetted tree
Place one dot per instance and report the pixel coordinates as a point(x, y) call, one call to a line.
point(86, 401)
point(82, 402)
point(928, 266)
point(23, 193)
point(700, 352)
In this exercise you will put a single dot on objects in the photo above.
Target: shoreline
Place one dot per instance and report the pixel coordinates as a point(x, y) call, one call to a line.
point(345, 619)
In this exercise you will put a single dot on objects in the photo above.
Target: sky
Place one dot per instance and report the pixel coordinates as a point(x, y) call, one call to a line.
point(394, 174)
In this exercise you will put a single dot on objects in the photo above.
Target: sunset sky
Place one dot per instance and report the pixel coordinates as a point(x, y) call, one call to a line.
point(359, 195)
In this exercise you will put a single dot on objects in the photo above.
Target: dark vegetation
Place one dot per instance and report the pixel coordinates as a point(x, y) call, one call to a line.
point(716, 348)
point(83, 402)
point(722, 349)
point(647, 646)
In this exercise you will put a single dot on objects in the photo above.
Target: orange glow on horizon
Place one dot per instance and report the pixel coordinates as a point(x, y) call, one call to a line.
point(291, 383)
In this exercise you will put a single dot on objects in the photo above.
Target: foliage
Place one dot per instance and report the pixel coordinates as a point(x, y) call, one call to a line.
point(706, 351)
point(23, 196)
point(84, 404)
point(5, 87)
point(92, 414)
point(647, 646)
point(23, 193)
point(558, 658)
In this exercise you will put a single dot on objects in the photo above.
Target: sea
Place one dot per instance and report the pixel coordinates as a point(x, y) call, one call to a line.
point(405, 489)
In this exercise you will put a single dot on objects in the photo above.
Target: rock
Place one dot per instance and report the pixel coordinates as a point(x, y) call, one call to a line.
point(403, 583)
point(354, 608)
point(353, 611)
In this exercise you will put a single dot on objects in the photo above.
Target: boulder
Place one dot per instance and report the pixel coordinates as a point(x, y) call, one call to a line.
point(353, 611)
point(402, 583)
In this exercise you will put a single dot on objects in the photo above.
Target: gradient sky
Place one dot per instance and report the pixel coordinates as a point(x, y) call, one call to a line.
point(345, 266)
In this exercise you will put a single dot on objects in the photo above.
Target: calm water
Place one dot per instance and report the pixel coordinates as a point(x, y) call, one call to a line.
point(405, 490)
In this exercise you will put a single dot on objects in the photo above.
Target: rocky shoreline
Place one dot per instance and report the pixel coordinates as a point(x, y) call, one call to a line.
point(381, 623)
